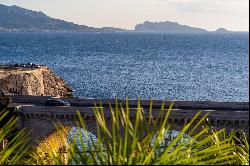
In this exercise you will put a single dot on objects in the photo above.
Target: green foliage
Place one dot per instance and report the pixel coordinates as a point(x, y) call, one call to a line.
point(17, 145)
point(139, 140)
point(129, 141)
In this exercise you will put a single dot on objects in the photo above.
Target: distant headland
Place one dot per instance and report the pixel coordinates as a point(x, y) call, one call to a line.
point(222, 30)
point(166, 26)
point(17, 19)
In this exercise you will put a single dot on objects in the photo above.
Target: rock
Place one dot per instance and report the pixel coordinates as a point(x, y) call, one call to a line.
point(5, 102)
point(32, 81)
point(222, 30)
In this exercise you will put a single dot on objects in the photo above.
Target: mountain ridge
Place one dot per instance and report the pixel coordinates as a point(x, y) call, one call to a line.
point(18, 19)
point(14, 18)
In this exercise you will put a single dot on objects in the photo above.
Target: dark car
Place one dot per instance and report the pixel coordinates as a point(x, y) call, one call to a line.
point(56, 102)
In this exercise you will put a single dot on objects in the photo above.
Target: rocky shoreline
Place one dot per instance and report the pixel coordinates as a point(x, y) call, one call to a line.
point(30, 79)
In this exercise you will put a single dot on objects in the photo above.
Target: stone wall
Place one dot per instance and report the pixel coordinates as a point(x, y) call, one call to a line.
point(41, 123)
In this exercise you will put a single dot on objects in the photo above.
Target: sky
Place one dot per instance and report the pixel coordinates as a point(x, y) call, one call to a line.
point(208, 14)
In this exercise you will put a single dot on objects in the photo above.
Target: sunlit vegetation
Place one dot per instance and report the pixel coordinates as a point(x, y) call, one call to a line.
point(144, 139)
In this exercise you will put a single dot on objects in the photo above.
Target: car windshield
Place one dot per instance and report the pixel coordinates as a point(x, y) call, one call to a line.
point(61, 101)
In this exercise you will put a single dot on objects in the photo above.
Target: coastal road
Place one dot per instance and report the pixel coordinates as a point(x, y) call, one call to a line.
point(38, 117)
point(225, 114)
point(229, 111)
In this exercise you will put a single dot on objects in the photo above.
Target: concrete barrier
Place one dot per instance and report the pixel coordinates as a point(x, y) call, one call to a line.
point(145, 103)
point(29, 99)
point(40, 119)
point(158, 103)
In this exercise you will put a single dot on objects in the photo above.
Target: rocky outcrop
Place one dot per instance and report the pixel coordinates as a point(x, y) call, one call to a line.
point(4, 102)
point(32, 81)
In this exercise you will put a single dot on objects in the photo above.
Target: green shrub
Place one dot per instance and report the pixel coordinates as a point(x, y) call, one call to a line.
point(130, 142)
point(17, 143)
point(139, 141)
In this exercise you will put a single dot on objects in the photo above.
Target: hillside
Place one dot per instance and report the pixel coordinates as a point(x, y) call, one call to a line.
point(14, 18)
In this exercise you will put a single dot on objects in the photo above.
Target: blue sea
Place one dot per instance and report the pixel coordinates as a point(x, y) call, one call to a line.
point(211, 67)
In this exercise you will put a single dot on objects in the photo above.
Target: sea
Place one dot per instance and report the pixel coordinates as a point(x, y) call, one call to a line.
point(191, 67)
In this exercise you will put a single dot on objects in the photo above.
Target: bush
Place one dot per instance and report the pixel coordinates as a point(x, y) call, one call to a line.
point(143, 141)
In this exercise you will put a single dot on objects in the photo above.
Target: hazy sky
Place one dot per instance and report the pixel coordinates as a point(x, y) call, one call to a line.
point(208, 14)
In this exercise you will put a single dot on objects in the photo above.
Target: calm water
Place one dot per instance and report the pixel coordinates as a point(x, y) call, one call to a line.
point(171, 66)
